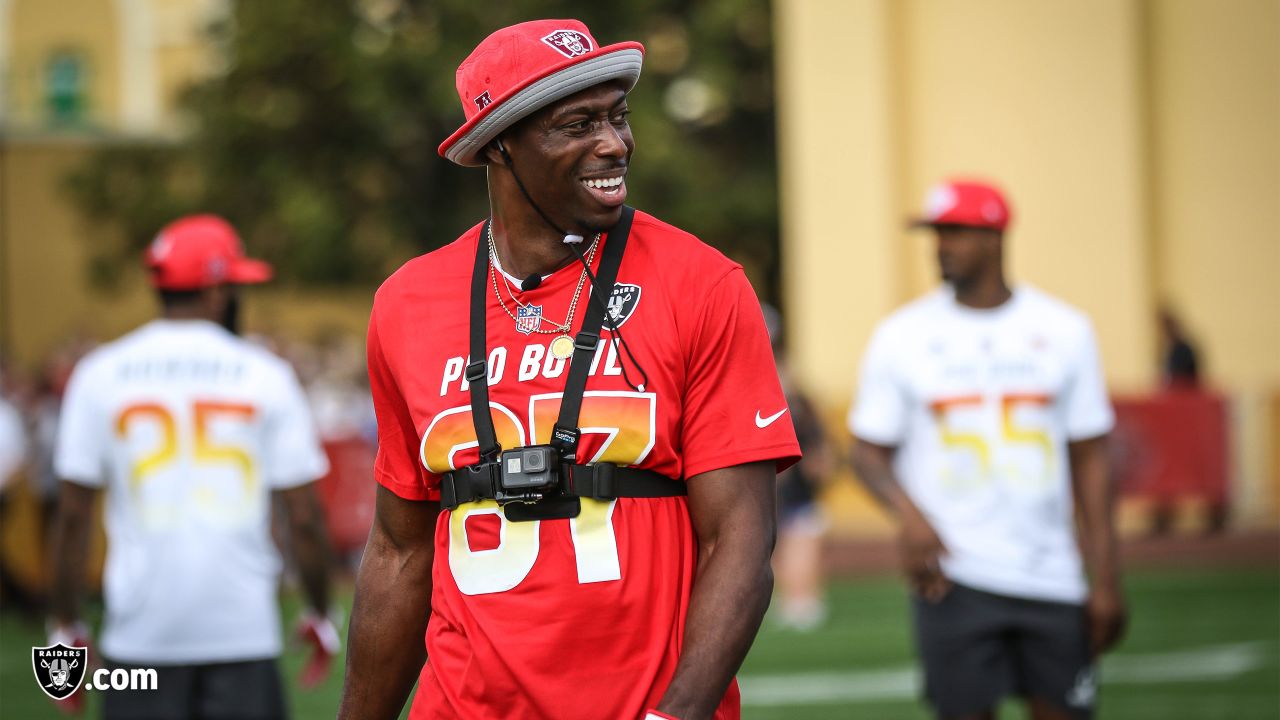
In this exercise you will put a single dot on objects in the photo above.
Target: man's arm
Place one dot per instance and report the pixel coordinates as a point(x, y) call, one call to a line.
point(385, 646)
point(69, 547)
point(309, 543)
point(1095, 501)
point(920, 545)
point(733, 516)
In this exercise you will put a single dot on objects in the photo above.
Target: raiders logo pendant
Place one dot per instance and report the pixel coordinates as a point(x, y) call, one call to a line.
point(562, 347)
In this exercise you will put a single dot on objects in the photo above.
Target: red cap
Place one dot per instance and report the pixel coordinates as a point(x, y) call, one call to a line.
point(967, 203)
point(200, 251)
point(521, 69)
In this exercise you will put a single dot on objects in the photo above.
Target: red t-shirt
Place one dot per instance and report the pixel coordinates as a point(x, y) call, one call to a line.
point(580, 618)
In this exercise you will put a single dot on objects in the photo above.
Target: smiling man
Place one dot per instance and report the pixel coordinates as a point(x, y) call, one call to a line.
point(577, 518)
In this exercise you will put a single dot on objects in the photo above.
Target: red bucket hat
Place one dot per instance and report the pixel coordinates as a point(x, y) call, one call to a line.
point(200, 251)
point(967, 203)
point(521, 69)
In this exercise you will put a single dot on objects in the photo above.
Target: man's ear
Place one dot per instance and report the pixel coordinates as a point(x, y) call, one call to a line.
point(495, 153)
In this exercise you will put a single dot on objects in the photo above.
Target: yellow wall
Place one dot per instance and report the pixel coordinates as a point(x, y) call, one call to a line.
point(840, 211)
point(39, 28)
point(1216, 174)
point(1139, 142)
point(1043, 98)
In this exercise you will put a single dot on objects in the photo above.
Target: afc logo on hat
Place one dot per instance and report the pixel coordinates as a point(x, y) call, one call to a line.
point(483, 100)
point(569, 43)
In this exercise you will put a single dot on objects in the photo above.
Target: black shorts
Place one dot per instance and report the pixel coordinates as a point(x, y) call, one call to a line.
point(249, 690)
point(978, 648)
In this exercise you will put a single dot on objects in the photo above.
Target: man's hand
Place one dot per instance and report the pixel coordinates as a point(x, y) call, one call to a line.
point(922, 551)
point(1108, 617)
point(321, 634)
point(1094, 491)
point(919, 545)
point(385, 649)
point(734, 518)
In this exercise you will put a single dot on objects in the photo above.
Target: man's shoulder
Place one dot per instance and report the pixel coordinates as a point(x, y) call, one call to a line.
point(262, 357)
point(674, 250)
point(921, 311)
point(108, 353)
point(1052, 311)
point(452, 260)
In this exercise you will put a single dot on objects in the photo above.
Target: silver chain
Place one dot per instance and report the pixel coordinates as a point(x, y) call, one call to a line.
point(573, 305)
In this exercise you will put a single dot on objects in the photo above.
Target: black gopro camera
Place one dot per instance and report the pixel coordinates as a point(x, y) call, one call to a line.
point(527, 474)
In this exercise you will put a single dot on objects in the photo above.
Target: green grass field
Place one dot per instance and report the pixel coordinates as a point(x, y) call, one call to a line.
point(1202, 644)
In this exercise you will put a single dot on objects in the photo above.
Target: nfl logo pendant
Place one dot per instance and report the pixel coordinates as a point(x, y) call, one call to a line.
point(528, 318)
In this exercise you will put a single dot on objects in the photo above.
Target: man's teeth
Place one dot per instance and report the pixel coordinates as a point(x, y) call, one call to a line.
point(603, 183)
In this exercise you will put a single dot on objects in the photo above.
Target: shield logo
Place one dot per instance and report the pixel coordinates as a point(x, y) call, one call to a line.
point(59, 669)
point(528, 318)
point(569, 43)
point(622, 302)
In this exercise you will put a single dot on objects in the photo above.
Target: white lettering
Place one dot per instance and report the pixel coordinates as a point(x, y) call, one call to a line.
point(595, 359)
point(553, 367)
point(531, 362)
point(452, 371)
point(497, 364)
point(611, 366)
point(122, 679)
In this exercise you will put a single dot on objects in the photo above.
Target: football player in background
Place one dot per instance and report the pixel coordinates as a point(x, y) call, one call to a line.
point(981, 421)
point(192, 432)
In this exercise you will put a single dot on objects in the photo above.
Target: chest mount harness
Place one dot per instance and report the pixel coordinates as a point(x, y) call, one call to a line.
point(546, 481)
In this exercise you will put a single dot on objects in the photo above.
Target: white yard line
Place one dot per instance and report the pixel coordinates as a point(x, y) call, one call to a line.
point(1206, 664)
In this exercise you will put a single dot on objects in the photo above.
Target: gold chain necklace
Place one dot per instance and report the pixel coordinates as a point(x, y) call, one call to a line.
point(562, 346)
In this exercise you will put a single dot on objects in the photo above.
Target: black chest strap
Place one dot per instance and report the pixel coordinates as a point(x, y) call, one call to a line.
point(602, 481)
point(565, 433)
point(598, 480)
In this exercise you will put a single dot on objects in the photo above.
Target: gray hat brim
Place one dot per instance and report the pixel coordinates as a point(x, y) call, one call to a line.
point(621, 64)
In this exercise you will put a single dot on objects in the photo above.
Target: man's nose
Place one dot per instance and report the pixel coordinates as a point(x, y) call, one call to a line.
point(610, 142)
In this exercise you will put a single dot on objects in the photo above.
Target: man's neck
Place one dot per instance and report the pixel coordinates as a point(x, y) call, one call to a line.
point(983, 293)
point(184, 314)
point(526, 245)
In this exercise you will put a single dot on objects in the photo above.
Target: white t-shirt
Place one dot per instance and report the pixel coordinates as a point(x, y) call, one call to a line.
point(13, 443)
point(981, 405)
point(190, 429)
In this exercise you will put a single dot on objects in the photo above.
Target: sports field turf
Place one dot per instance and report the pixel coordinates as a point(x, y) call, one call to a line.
point(1203, 644)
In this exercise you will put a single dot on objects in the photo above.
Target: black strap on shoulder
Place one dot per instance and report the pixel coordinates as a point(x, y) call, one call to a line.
point(477, 373)
point(565, 434)
point(604, 481)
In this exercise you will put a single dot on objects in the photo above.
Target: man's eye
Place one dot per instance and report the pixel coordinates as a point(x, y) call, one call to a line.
point(620, 118)
point(579, 126)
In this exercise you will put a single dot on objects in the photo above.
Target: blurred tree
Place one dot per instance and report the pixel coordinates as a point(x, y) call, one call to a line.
point(319, 139)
